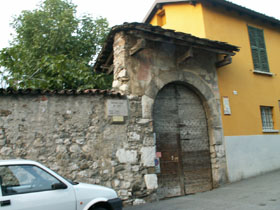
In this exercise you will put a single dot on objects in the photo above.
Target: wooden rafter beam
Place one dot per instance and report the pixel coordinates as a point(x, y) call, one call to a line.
point(187, 55)
point(140, 45)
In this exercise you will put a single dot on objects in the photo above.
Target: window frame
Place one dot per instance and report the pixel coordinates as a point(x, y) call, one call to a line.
point(258, 50)
point(268, 125)
point(161, 18)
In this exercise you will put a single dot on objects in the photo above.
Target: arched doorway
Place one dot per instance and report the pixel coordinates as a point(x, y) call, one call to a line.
point(182, 142)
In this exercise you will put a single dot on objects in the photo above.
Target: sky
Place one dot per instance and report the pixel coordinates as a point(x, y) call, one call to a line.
point(116, 11)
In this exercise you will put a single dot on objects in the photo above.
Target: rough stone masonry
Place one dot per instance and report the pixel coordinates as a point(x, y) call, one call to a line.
point(73, 136)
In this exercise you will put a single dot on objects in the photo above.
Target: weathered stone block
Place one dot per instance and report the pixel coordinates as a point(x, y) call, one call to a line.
point(151, 181)
point(87, 148)
point(75, 148)
point(147, 107)
point(80, 141)
point(73, 167)
point(122, 73)
point(6, 151)
point(94, 165)
point(148, 156)
point(124, 88)
point(138, 202)
point(59, 141)
point(123, 194)
point(218, 136)
point(133, 136)
point(2, 142)
point(118, 168)
point(61, 149)
point(220, 151)
point(125, 185)
point(135, 168)
point(116, 84)
point(149, 141)
point(127, 156)
point(116, 183)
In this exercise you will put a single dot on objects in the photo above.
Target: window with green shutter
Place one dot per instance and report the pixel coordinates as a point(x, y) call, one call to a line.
point(258, 49)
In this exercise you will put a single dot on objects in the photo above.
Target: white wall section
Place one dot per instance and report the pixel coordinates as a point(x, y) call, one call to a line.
point(249, 156)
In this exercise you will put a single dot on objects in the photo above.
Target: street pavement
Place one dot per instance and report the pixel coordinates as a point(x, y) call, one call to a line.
point(257, 193)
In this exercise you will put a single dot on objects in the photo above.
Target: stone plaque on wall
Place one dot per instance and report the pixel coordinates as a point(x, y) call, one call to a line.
point(226, 104)
point(117, 107)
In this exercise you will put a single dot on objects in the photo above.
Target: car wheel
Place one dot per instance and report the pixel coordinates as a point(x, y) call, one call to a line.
point(99, 208)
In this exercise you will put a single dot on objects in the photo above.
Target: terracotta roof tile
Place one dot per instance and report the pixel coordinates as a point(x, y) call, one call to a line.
point(10, 91)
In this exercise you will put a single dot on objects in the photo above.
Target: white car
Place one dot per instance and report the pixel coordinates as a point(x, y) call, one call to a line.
point(28, 185)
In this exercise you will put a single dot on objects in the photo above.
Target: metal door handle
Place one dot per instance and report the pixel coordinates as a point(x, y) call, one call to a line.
point(5, 203)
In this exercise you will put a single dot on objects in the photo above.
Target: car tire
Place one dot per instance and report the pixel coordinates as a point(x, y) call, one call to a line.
point(99, 208)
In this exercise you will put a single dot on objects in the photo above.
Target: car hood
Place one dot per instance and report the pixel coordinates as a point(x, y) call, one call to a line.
point(87, 192)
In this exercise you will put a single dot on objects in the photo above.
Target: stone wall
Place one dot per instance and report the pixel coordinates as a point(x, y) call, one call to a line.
point(73, 136)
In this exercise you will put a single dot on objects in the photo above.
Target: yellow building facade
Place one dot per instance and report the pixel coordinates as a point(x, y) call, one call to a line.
point(249, 87)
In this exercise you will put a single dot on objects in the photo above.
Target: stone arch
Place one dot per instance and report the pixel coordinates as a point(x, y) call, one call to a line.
point(211, 104)
point(210, 101)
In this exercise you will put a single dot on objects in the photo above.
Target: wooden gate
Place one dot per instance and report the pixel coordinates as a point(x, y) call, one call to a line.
point(182, 142)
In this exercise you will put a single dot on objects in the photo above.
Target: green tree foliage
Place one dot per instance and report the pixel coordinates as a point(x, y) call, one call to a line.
point(53, 49)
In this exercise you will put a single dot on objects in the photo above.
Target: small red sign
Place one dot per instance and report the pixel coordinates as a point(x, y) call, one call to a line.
point(158, 154)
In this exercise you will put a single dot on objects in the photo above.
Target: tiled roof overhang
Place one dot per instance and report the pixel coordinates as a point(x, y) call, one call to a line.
point(175, 37)
point(5, 92)
point(227, 4)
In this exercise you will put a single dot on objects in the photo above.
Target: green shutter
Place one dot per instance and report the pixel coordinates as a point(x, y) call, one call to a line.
point(264, 62)
point(252, 35)
point(256, 58)
point(258, 49)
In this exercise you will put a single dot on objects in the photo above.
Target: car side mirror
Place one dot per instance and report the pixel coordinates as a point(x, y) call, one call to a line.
point(59, 186)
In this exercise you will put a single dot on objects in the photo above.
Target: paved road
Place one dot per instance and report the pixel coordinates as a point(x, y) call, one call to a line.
point(258, 193)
